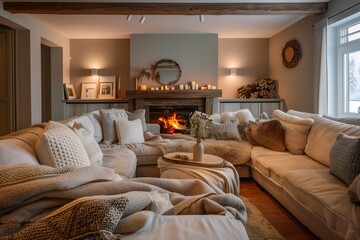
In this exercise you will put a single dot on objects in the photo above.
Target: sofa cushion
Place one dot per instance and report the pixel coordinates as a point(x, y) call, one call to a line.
point(325, 196)
point(15, 151)
point(82, 122)
point(215, 117)
point(224, 131)
point(275, 164)
point(92, 148)
point(302, 114)
point(59, 146)
point(95, 118)
point(129, 132)
point(121, 159)
point(325, 131)
point(268, 133)
point(138, 114)
point(108, 117)
point(244, 116)
point(354, 190)
point(352, 121)
point(296, 131)
point(345, 158)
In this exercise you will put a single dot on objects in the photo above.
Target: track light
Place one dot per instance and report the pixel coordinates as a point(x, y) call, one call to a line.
point(202, 18)
point(142, 19)
point(128, 18)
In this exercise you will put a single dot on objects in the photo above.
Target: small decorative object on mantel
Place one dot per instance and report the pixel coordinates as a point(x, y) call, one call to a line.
point(291, 53)
point(262, 88)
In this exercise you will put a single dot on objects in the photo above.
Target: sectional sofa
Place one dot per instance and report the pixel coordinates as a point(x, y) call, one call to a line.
point(309, 178)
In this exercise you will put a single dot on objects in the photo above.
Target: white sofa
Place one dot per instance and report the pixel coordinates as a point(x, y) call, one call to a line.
point(303, 182)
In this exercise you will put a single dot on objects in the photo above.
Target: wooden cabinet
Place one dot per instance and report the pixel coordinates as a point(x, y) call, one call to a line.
point(256, 106)
point(78, 107)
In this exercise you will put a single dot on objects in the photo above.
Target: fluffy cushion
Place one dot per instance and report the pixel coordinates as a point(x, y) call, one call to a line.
point(108, 117)
point(224, 131)
point(92, 148)
point(244, 116)
point(302, 114)
point(59, 146)
point(353, 121)
point(95, 118)
point(354, 190)
point(129, 131)
point(138, 114)
point(296, 131)
point(325, 131)
point(269, 134)
point(345, 158)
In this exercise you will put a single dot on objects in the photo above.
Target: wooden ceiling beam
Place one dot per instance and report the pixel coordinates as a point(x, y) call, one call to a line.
point(97, 8)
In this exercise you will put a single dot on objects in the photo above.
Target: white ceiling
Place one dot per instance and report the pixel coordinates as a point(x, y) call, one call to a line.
point(113, 26)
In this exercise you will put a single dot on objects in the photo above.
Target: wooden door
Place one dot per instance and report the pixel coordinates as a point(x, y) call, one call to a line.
point(7, 82)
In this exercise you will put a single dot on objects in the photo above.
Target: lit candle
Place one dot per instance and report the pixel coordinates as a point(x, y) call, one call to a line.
point(161, 88)
point(156, 88)
point(193, 85)
point(181, 87)
point(213, 87)
point(209, 87)
point(143, 87)
point(196, 86)
point(172, 88)
point(152, 89)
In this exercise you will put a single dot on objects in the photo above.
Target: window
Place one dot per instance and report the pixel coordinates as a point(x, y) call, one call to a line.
point(348, 67)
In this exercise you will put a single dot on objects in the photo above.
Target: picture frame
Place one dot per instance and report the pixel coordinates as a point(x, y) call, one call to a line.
point(88, 90)
point(69, 91)
point(107, 86)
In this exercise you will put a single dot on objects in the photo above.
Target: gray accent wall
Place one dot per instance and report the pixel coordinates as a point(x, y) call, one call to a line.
point(197, 55)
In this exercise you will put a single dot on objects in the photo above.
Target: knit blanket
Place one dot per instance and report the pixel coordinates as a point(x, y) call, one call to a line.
point(236, 152)
point(40, 202)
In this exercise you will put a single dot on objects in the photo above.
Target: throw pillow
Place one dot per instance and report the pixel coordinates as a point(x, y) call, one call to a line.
point(215, 117)
point(92, 148)
point(345, 158)
point(129, 132)
point(138, 114)
point(296, 131)
point(354, 190)
point(95, 118)
point(108, 117)
point(82, 122)
point(225, 131)
point(353, 121)
point(59, 146)
point(269, 134)
point(244, 116)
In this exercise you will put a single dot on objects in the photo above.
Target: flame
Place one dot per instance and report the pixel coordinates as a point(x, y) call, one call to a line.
point(173, 122)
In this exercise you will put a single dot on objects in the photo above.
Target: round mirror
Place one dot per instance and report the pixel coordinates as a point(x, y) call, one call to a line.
point(166, 72)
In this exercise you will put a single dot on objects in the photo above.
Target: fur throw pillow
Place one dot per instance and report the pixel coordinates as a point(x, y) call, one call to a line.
point(269, 134)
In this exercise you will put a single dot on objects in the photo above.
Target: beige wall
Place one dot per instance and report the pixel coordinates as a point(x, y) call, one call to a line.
point(110, 56)
point(295, 84)
point(249, 56)
point(38, 32)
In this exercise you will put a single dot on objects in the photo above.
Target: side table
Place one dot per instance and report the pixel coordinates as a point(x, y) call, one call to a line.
point(219, 174)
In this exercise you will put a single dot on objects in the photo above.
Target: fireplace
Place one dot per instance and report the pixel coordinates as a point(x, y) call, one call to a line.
point(172, 119)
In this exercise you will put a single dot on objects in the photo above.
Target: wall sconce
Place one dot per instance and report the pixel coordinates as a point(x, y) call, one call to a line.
point(232, 71)
point(94, 72)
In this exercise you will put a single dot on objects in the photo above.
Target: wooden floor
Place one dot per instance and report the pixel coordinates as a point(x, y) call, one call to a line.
point(280, 218)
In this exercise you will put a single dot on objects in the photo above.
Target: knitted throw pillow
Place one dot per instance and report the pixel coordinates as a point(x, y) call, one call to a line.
point(129, 131)
point(345, 158)
point(58, 146)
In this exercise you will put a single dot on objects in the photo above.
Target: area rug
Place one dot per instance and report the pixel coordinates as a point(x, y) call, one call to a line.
point(258, 227)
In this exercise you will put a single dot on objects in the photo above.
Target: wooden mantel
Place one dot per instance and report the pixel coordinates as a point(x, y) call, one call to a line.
point(202, 99)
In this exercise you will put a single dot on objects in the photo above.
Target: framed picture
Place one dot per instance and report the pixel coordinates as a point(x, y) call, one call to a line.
point(88, 91)
point(69, 91)
point(107, 87)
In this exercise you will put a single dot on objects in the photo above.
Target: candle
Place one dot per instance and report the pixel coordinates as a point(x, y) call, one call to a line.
point(193, 85)
point(161, 88)
point(152, 89)
point(172, 88)
point(156, 88)
point(213, 87)
point(196, 86)
point(209, 87)
point(181, 87)
point(143, 87)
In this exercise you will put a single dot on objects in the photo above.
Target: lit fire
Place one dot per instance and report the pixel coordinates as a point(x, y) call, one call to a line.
point(172, 123)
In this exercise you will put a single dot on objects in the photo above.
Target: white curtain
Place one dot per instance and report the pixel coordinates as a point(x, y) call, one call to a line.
point(320, 68)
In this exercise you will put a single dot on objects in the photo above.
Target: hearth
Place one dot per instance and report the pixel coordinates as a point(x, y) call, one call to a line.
point(172, 119)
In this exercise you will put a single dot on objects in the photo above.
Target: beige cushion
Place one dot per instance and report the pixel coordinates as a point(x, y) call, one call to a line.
point(122, 160)
point(59, 146)
point(224, 131)
point(296, 130)
point(92, 148)
point(345, 158)
point(129, 131)
point(138, 114)
point(302, 114)
point(322, 137)
point(353, 121)
point(15, 151)
point(82, 122)
point(108, 117)
point(354, 190)
point(95, 118)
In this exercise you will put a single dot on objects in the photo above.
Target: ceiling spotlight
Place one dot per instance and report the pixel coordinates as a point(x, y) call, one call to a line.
point(142, 19)
point(202, 18)
point(128, 18)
